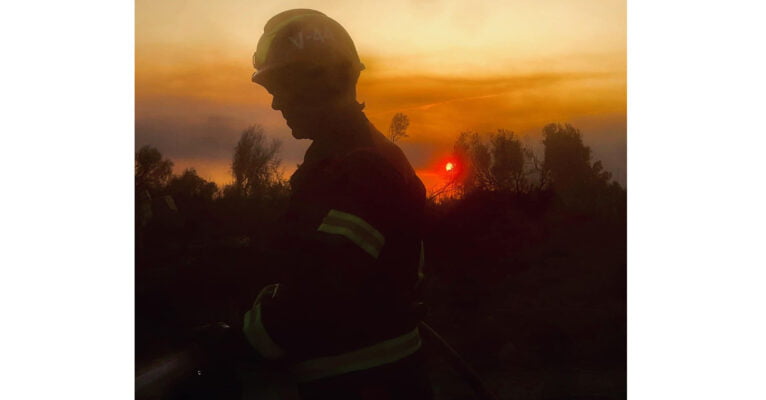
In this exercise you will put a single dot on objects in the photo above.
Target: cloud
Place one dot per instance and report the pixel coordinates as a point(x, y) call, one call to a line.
point(221, 80)
point(211, 136)
point(440, 108)
point(196, 113)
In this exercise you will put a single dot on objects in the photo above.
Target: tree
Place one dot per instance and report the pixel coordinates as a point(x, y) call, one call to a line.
point(463, 152)
point(507, 162)
point(494, 165)
point(151, 169)
point(255, 166)
point(567, 159)
point(190, 186)
point(398, 128)
point(536, 168)
point(568, 165)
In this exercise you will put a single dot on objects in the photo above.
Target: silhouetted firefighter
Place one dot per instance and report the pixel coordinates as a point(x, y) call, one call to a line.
point(342, 320)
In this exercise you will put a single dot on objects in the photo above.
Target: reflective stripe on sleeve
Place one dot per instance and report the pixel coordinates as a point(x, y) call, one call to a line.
point(256, 334)
point(354, 229)
point(385, 352)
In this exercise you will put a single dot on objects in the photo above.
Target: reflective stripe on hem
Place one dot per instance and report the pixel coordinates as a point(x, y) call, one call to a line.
point(385, 352)
point(256, 334)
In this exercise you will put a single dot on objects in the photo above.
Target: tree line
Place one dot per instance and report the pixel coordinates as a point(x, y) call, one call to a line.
point(497, 162)
point(500, 162)
point(255, 167)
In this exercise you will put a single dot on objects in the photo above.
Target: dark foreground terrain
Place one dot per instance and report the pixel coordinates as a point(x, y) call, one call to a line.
point(528, 288)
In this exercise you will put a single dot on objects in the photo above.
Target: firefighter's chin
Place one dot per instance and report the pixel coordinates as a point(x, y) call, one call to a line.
point(300, 132)
point(304, 127)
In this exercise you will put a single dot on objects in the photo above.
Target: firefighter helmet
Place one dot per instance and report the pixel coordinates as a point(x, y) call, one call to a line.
point(303, 36)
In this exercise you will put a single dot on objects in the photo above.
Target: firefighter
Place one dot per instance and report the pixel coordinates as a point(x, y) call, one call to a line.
point(341, 320)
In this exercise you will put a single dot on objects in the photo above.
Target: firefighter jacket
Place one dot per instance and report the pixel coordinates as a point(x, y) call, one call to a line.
point(352, 243)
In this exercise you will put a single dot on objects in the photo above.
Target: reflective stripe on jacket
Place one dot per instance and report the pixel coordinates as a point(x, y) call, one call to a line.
point(385, 352)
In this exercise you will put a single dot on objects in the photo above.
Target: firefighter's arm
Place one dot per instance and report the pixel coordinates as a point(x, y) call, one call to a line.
point(331, 260)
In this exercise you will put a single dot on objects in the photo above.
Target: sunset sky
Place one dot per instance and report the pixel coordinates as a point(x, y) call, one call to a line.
point(451, 66)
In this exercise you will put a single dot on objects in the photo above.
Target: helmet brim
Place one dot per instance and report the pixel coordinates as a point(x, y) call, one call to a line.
point(263, 75)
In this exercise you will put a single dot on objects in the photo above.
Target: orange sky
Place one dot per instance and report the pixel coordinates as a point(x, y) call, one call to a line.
point(449, 65)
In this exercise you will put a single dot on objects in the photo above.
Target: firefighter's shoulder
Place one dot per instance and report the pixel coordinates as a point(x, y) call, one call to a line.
point(368, 168)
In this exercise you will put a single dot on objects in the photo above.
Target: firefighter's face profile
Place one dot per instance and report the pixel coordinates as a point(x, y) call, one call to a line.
point(305, 100)
point(299, 111)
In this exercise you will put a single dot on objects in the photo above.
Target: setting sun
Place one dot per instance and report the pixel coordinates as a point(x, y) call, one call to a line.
point(449, 167)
